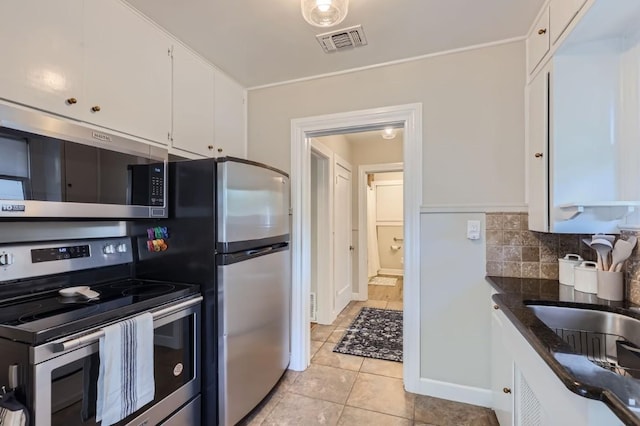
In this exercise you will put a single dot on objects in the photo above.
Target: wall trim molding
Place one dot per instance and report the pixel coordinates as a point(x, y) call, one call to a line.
point(474, 208)
point(389, 63)
point(455, 392)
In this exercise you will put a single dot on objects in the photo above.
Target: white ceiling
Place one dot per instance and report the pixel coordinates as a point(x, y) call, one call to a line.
point(260, 42)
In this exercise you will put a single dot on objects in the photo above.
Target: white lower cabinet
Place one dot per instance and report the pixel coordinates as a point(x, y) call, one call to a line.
point(501, 374)
point(537, 396)
point(193, 103)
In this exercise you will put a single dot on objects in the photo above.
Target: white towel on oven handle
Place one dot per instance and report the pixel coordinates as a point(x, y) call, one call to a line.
point(125, 380)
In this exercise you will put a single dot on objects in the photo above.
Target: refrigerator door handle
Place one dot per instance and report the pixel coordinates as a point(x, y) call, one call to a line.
point(259, 251)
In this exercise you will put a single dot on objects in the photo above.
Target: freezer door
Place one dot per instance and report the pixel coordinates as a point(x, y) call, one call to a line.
point(254, 346)
point(253, 206)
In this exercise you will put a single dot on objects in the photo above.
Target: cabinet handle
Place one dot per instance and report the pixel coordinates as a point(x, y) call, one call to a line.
point(506, 390)
point(95, 108)
point(210, 147)
point(219, 149)
point(496, 307)
point(542, 31)
point(539, 155)
point(72, 101)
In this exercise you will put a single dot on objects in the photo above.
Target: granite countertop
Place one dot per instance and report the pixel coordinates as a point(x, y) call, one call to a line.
point(579, 375)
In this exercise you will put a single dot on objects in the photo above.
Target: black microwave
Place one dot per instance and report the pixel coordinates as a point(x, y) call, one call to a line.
point(53, 168)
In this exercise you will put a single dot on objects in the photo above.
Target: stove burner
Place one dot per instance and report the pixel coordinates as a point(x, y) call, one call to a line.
point(31, 310)
point(148, 290)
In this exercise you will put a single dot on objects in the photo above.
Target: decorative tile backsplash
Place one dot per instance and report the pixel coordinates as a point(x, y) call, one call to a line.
point(632, 271)
point(514, 251)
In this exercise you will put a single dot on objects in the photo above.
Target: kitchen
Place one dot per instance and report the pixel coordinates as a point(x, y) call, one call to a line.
point(471, 159)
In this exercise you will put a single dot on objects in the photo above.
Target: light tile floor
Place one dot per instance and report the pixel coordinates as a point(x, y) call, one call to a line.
point(349, 390)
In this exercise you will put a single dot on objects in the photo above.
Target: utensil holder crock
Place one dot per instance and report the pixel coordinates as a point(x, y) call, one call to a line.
point(610, 285)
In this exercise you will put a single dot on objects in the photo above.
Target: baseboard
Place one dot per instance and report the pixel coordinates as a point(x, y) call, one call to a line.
point(395, 272)
point(358, 297)
point(455, 392)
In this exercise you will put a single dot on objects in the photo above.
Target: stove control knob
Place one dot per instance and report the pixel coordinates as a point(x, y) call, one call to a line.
point(109, 249)
point(121, 248)
point(6, 259)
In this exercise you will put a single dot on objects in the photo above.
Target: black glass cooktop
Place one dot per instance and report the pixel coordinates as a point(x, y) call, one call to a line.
point(47, 316)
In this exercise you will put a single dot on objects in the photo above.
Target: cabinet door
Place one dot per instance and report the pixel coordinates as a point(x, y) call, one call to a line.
point(230, 117)
point(562, 13)
point(193, 103)
point(127, 71)
point(501, 375)
point(538, 151)
point(538, 41)
point(42, 54)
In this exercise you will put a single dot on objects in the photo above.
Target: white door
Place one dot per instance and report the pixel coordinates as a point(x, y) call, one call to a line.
point(343, 249)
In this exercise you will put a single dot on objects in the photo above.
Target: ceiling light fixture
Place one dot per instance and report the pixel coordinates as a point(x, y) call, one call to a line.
point(389, 133)
point(324, 13)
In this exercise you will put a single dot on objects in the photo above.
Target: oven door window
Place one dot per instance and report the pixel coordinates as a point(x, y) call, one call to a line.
point(74, 385)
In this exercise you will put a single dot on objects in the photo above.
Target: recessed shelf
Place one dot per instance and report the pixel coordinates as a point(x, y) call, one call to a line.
point(605, 210)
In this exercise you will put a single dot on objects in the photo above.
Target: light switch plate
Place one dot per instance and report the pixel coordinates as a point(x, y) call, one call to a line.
point(473, 229)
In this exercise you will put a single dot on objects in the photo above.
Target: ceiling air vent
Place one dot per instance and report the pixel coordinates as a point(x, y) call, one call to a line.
point(346, 38)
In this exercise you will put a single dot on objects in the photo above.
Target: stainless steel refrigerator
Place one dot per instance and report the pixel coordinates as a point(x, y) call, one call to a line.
point(228, 231)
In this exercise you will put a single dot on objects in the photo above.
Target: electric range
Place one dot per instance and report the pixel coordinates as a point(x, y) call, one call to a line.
point(50, 342)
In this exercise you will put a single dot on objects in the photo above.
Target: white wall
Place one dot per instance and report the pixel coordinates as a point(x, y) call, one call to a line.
point(473, 150)
point(473, 118)
point(453, 268)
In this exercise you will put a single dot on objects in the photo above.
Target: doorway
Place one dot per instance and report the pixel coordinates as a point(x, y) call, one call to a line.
point(381, 261)
point(409, 118)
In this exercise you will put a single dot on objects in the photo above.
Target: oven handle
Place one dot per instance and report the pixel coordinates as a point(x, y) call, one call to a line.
point(92, 337)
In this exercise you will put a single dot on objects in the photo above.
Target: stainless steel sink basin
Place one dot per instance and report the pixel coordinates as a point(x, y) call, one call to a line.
point(610, 340)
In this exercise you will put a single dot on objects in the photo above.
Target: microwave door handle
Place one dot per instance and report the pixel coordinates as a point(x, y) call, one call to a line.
point(92, 337)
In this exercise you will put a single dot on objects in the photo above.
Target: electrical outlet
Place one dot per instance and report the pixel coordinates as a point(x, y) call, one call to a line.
point(473, 229)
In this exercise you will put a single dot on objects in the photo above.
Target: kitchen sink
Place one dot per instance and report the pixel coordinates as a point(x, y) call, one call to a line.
point(608, 339)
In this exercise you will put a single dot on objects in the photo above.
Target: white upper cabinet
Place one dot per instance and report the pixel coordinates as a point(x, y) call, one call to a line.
point(538, 41)
point(538, 152)
point(193, 103)
point(127, 71)
point(562, 13)
point(230, 117)
point(42, 54)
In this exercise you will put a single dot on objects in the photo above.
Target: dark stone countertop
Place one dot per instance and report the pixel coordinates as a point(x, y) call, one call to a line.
point(578, 374)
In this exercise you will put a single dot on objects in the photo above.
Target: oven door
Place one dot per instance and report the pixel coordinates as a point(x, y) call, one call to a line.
point(54, 168)
point(65, 386)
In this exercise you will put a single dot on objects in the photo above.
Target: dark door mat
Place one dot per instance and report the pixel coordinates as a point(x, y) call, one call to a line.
point(375, 333)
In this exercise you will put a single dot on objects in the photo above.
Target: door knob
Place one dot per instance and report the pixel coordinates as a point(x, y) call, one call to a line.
point(542, 31)
point(539, 155)
point(95, 108)
point(219, 149)
point(210, 147)
point(352, 248)
point(72, 101)
point(506, 390)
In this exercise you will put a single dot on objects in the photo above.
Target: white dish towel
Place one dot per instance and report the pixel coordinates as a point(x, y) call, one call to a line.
point(125, 379)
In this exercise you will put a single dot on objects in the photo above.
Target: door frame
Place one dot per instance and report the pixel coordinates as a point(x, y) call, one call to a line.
point(325, 240)
point(302, 129)
point(363, 171)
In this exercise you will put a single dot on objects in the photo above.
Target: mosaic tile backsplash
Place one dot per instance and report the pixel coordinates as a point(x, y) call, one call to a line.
point(514, 251)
